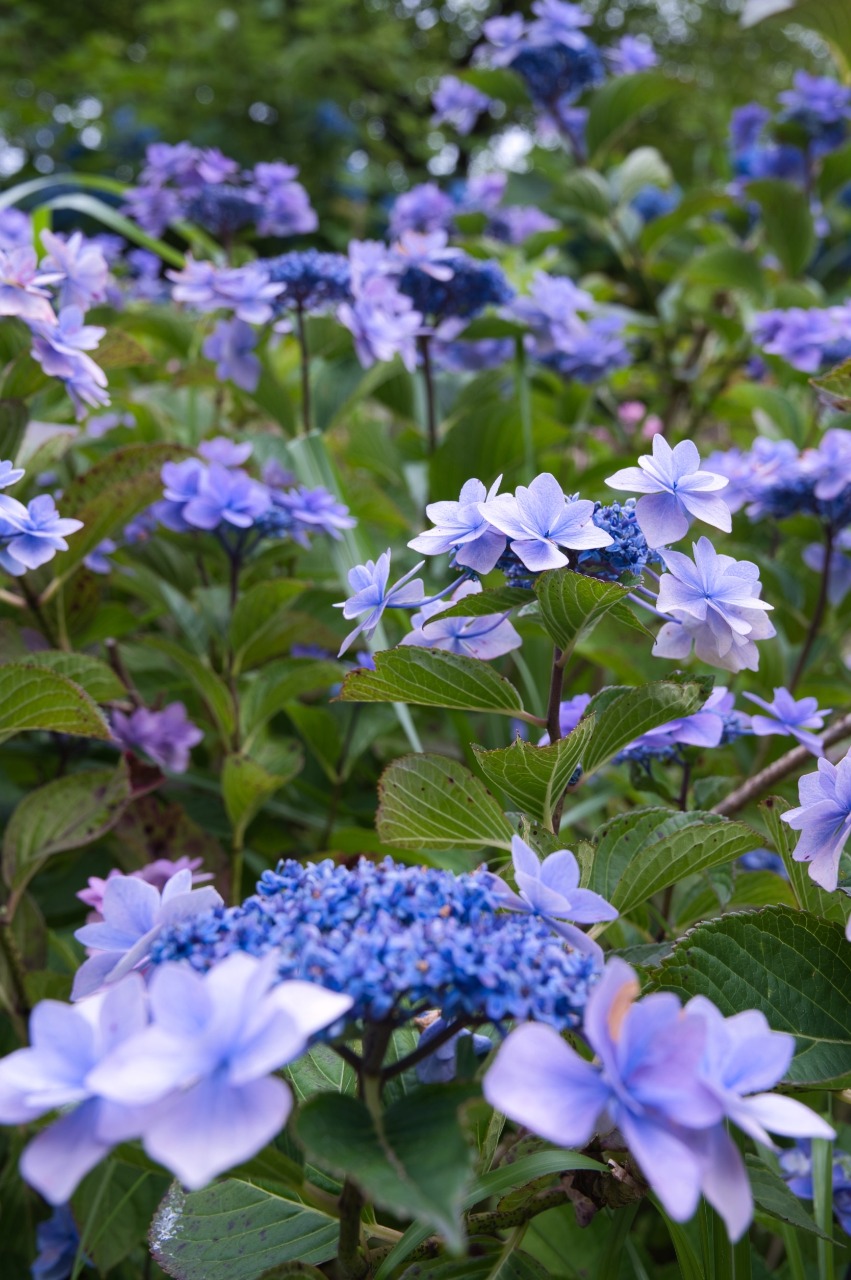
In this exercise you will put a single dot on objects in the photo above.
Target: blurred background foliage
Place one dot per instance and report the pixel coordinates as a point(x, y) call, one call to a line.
point(339, 87)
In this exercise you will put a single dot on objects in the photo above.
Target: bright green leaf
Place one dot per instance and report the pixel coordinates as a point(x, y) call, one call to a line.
point(619, 104)
point(432, 678)
point(572, 605)
point(94, 676)
point(37, 698)
point(535, 778)
point(247, 785)
point(429, 802)
point(624, 714)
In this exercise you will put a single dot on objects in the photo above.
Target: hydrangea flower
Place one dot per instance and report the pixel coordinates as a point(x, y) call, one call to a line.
point(628, 551)
point(440, 1067)
point(246, 291)
point(312, 281)
point(227, 452)
point(225, 496)
point(665, 1079)
point(462, 529)
point(399, 940)
point(630, 55)
point(424, 208)
point(809, 338)
point(372, 595)
point(203, 1067)
point(458, 103)
point(823, 818)
point(314, 511)
point(383, 322)
point(486, 637)
point(819, 105)
point(166, 736)
point(158, 873)
point(447, 284)
point(60, 348)
point(550, 890)
point(790, 718)
point(22, 287)
point(34, 535)
point(134, 912)
point(231, 345)
point(180, 485)
point(539, 519)
point(66, 1043)
point(82, 265)
point(674, 489)
point(715, 723)
point(715, 602)
point(796, 1167)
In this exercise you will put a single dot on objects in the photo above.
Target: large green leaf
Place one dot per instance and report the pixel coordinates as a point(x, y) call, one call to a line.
point(788, 221)
point(572, 605)
point(789, 964)
point(830, 18)
point(110, 493)
point(809, 896)
point(499, 600)
point(429, 802)
point(209, 685)
point(414, 1160)
point(640, 852)
point(723, 266)
point(79, 202)
point(432, 678)
point(113, 1207)
point(260, 616)
point(37, 698)
point(834, 387)
point(623, 714)
point(280, 683)
point(620, 102)
point(64, 814)
point(320, 1070)
point(235, 1231)
point(94, 676)
point(773, 1197)
point(247, 784)
point(535, 778)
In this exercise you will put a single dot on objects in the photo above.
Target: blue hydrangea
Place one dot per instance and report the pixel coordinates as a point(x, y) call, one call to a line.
point(398, 940)
point(472, 286)
point(555, 71)
point(312, 280)
point(222, 209)
point(628, 553)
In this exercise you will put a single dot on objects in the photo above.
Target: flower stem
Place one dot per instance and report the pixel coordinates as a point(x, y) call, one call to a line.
point(301, 328)
point(823, 1204)
point(818, 612)
point(428, 383)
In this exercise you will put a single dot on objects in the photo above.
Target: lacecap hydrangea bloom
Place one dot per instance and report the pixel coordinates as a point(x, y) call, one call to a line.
point(675, 490)
point(823, 818)
point(790, 718)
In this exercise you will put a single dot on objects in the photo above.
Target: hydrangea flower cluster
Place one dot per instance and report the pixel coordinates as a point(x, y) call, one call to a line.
point(714, 725)
point(165, 736)
point(399, 941)
point(811, 339)
point(202, 185)
point(426, 208)
point(569, 332)
point(664, 1082)
point(30, 535)
point(775, 479)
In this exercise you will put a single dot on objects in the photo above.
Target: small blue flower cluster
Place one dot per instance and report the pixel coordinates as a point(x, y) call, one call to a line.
point(398, 940)
point(472, 286)
point(557, 71)
point(628, 552)
point(222, 209)
point(773, 479)
point(312, 280)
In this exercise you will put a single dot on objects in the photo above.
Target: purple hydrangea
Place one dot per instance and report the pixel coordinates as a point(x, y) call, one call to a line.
point(158, 873)
point(823, 818)
point(227, 452)
point(165, 736)
point(540, 519)
point(57, 1240)
point(821, 107)
point(83, 267)
point(485, 637)
point(372, 595)
point(425, 208)
point(231, 345)
point(459, 104)
point(246, 291)
point(61, 349)
point(383, 321)
point(23, 289)
point(791, 718)
point(630, 55)
point(570, 712)
point(717, 722)
point(224, 496)
point(460, 529)
point(33, 535)
point(312, 281)
point(675, 491)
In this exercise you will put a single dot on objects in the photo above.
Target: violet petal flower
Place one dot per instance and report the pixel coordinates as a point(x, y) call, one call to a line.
point(675, 489)
point(790, 718)
point(823, 819)
point(485, 637)
point(539, 519)
point(372, 595)
point(461, 527)
point(166, 736)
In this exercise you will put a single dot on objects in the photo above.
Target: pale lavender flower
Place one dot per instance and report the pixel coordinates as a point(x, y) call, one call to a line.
point(383, 323)
point(226, 496)
point(22, 287)
point(790, 718)
point(158, 873)
point(484, 638)
point(460, 527)
point(675, 490)
point(231, 345)
point(631, 54)
point(228, 453)
point(204, 1066)
point(715, 602)
point(550, 890)
point(317, 509)
point(559, 22)
point(540, 519)
point(60, 348)
point(66, 1043)
point(16, 230)
point(247, 290)
point(823, 819)
point(458, 103)
point(423, 208)
point(167, 736)
point(427, 251)
point(550, 308)
point(830, 464)
point(181, 481)
point(98, 561)
point(134, 913)
point(440, 1067)
point(570, 712)
point(707, 727)
point(372, 595)
point(9, 474)
point(83, 267)
point(37, 534)
point(505, 38)
point(285, 208)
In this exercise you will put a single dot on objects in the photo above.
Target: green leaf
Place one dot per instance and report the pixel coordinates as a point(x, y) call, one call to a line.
point(619, 104)
point(774, 1198)
point(320, 1070)
point(110, 493)
point(234, 1231)
point(280, 683)
point(808, 895)
point(498, 82)
point(641, 168)
point(113, 1207)
point(14, 417)
point(830, 18)
point(787, 220)
point(499, 600)
point(429, 802)
point(834, 387)
point(572, 605)
point(211, 687)
point(109, 217)
point(118, 350)
point(261, 614)
point(535, 778)
point(722, 266)
point(432, 678)
point(789, 964)
point(64, 814)
point(640, 852)
point(37, 698)
point(495, 1262)
point(587, 191)
point(413, 1160)
point(247, 785)
point(97, 679)
point(624, 714)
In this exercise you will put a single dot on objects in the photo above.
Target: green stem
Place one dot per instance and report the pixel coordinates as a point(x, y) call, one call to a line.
point(818, 613)
point(304, 354)
point(430, 401)
point(794, 1257)
point(524, 399)
point(823, 1204)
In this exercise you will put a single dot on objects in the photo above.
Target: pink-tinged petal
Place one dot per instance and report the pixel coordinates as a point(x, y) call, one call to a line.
point(669, 1165)
point(725, 1182)
point(661, 519)
point(539, 1081)
point(60, 1157)
point(213, 1126)
point(607, 1007)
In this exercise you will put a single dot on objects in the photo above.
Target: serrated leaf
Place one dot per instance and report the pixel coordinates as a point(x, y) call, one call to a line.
point(94, 676)
point(809, 895)
point(774, 1198)
point(247, 784)
point(414, 1161)
point(320, 1070)
point(429, 802)
point(620, 102)
point(624, 713)
point(643, 851)
point(834, 387)
point(789, 964)
point(432, 678)
point(37, 698)
point(572, 605)
point(499, 600)
point(118, 350)
point(533, 777)
point(234, 1231)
